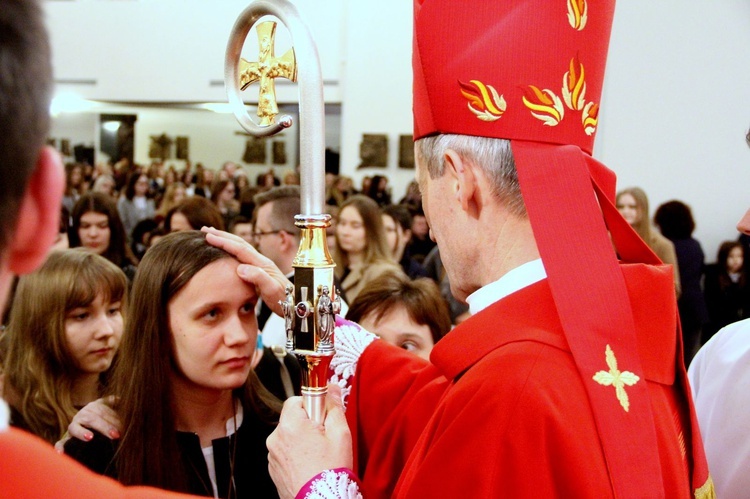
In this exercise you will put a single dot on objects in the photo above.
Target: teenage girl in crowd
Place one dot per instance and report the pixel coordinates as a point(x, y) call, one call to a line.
point(223, 195)
point(397, 222)
point(135, 205)
point(632, 203)
point(727, 288)
point(65, 327)
point(192, 214)
point(361, 252)
point(409, 314)
point(96, 226)
point(174, 194)
point(75, 185)
point(195, 418)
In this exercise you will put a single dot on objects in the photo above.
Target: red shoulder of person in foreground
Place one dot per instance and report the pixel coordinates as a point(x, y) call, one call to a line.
point(36, 470)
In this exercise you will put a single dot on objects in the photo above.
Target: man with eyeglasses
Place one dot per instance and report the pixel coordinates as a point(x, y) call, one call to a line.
point(276, 237)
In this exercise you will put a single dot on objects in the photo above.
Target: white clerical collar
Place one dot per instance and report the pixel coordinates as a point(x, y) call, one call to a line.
point(518, 278)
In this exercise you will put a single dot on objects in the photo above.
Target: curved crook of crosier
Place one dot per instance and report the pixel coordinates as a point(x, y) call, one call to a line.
point(311, 104)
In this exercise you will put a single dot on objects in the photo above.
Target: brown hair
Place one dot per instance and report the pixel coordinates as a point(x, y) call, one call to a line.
point(147, 349)
point(118, 252)
point(376, 244)
point(217, 188)
point(167, 201)
point(199, 212)
point(421, 298)
point(643, 225)
point(38, 366)
point(286, 205)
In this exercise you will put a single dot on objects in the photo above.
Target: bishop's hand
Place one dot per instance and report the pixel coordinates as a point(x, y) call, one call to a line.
point(299, 448)
point(254, 268)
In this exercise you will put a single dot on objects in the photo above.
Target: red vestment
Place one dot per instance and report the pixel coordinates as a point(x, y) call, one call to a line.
point(503, 410)
point(32, 469)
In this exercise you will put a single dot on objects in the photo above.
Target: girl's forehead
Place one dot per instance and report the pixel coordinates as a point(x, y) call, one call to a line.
point(94, 215)
point(220, 276)
point(350, 212)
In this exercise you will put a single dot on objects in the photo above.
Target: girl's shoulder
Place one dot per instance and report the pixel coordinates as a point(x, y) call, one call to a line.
point(97, 454)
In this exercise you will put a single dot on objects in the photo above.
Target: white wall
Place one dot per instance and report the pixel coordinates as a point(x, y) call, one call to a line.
point(168, 50)
point(79, 128)
point(376, 89)
point(675, 108)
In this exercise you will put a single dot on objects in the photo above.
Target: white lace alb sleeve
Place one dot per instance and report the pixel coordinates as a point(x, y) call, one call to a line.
point(339, 483)
point(350, 341)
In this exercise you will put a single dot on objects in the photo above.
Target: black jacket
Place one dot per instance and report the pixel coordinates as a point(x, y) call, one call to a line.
point(251, 477)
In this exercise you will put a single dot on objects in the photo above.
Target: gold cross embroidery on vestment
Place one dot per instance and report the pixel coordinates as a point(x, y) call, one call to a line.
point(615, 377)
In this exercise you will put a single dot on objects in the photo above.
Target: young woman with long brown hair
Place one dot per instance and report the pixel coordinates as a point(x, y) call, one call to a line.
point(194, 415)
point(362, 251)
point(96, 225)
point(65, 327)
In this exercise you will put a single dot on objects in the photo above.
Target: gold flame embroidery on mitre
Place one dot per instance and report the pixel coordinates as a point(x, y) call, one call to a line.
point(547, 106)
point(484, 101)
point(574, 85)
point(590, 118)
point(615, 377)
point(577, 14)
point(544, 104)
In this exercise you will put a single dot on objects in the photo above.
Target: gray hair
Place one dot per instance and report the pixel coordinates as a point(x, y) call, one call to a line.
point(493, 156)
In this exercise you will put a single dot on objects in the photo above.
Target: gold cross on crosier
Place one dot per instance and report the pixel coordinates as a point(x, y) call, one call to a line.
point(265, 70)
point(616, 378)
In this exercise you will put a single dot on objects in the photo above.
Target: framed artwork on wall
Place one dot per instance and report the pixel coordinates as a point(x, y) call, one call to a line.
point(406, 151)
point(182, 145)
point(373, 150)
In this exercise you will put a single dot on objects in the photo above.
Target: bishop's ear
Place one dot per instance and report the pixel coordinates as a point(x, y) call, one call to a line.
point(464, 178)
point(39, 214)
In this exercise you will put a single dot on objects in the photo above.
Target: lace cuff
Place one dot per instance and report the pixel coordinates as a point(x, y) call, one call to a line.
point(350, 341)
point(339, 483)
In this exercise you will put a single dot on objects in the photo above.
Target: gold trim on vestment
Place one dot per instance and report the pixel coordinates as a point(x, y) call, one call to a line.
point(706, 491)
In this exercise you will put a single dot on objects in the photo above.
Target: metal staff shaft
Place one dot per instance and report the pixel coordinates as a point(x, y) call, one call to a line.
point(311, 305)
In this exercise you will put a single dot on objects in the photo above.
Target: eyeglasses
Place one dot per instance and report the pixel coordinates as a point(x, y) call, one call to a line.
point(258, 235)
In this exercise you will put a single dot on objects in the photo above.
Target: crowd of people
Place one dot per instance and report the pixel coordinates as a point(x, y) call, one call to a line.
point(709, 295)
point(142, 203)
point(136, 345)
point(78, 326)
point(115, 224)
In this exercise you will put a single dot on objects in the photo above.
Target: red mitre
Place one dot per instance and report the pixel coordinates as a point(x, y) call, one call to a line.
point(531, 71)
point(511, 70)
